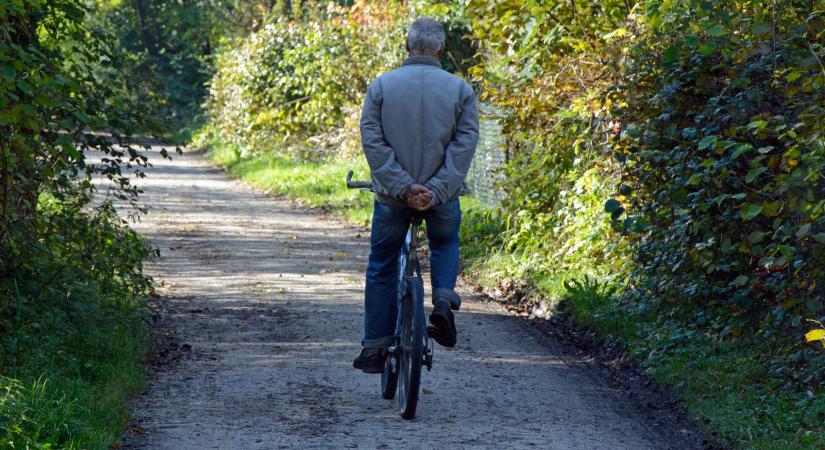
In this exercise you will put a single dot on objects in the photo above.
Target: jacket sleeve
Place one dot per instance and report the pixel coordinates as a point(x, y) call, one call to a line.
point(387, 175)
point(459, 152)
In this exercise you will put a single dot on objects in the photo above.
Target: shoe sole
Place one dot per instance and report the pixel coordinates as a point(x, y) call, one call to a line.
point(369, 369)
point(441, 330)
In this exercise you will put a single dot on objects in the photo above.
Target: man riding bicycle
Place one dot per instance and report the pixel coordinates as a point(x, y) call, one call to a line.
point(419, 130)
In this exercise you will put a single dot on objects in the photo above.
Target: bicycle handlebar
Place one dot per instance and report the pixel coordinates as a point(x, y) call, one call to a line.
point(357, 184)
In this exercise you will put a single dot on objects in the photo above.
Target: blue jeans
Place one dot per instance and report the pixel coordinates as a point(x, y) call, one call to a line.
point(389, 229)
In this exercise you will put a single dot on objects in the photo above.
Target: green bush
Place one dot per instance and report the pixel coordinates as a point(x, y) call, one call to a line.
point(673, 149)
point(293, 80)
point(700, 133)
point(723, 153)
point(295, 86)
point(538, 68)
point(72, 334)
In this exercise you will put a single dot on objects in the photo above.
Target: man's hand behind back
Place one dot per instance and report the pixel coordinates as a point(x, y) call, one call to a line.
point(418, 197)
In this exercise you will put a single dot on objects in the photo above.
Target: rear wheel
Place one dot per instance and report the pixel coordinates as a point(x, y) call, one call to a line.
point(411, 348)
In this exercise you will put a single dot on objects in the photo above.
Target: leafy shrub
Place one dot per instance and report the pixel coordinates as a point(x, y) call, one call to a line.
point(296, 86)
point(294, 79)
point(72, 335)
point(716, 174)
point(163, 51)
point(722, 106)
point(546, 66)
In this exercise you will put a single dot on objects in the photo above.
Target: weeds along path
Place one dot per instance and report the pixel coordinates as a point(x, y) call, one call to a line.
point(261, 317)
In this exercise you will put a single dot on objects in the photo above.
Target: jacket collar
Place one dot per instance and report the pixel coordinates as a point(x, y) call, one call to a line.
point(421, 59)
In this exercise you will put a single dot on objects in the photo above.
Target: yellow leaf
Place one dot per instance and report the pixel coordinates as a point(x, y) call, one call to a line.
point(815, 335)
point(618, 32)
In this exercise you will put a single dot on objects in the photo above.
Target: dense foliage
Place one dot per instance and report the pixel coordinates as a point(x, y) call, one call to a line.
point(723, 153)
point(293, 79)
point(70, 334)
point(673, 149)
point(547, 66)
point(162, 50)
point(295, 86)
point(704, 118)
point(165, 50)
point(73, 331)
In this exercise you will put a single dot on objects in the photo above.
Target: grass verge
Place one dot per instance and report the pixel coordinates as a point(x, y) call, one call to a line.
point(318, 185)
point(47, 404)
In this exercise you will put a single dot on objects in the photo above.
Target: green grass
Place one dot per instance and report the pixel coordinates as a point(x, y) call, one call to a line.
point(70, 387)
point(318, 185)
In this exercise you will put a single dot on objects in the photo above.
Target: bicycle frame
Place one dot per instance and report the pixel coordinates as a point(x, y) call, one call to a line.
point(408, 264)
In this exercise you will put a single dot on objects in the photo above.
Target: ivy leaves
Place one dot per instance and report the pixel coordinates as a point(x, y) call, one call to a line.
point(750, 211)
point(735, 190)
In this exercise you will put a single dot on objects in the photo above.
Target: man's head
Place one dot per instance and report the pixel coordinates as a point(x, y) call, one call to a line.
point(425, 37)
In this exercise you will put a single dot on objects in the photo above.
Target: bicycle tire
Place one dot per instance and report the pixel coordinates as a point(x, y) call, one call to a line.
point(389, 378)
point(411, 348)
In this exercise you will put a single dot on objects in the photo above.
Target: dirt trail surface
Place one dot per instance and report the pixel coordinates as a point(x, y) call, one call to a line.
point(261, 317)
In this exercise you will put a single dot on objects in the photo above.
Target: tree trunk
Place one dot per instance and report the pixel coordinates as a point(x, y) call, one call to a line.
point(146, 33)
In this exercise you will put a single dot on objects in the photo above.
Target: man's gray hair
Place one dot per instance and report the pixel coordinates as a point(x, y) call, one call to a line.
point(425, 36)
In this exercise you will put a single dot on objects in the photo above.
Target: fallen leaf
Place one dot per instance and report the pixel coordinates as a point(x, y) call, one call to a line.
point(815, 335)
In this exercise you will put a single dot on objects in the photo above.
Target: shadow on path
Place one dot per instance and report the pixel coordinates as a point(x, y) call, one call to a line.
point(265, 305)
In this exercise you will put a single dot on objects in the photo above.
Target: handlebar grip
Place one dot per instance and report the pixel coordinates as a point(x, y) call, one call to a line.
point(357, 184)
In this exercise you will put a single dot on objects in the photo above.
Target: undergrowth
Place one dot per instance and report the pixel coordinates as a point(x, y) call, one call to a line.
point(725, 386)
point(73, 333)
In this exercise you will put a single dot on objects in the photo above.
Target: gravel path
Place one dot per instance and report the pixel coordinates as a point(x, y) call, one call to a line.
point(261, 318)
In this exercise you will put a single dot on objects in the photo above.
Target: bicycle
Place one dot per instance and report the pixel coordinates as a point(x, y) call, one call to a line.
point(412, 348)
